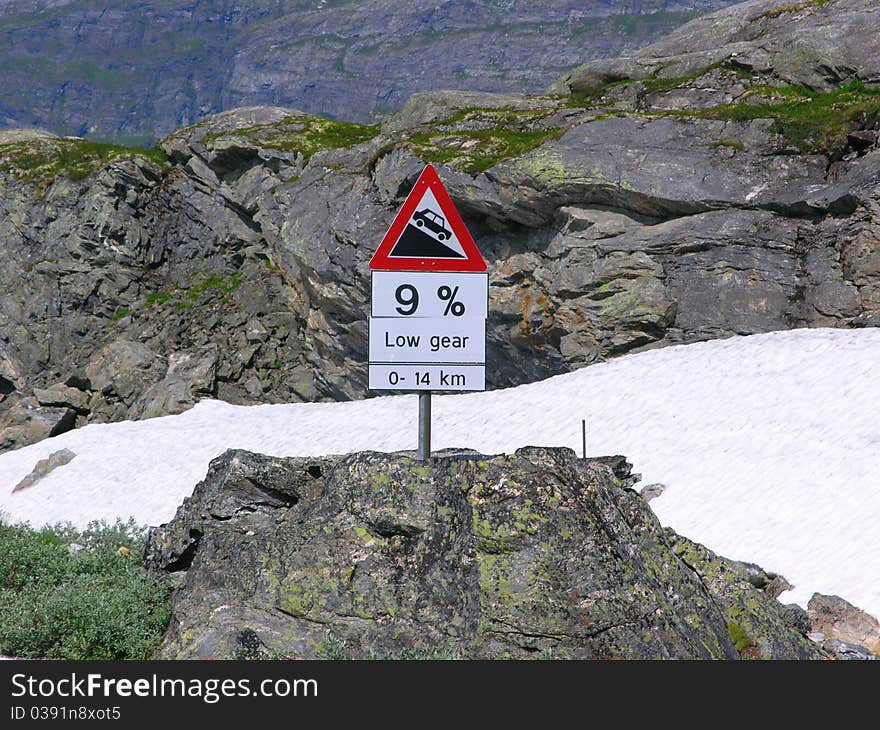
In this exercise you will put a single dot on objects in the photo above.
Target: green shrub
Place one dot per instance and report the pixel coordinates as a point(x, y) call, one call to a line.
point(97, 603)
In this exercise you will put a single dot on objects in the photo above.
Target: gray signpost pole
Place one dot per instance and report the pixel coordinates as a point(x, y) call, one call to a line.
point(424, 426)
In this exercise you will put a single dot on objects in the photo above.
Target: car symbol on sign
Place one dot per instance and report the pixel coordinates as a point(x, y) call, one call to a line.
point(427, 218)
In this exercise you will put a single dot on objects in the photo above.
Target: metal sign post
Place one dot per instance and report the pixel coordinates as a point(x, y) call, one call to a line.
point(424, 426)
point(430, 294)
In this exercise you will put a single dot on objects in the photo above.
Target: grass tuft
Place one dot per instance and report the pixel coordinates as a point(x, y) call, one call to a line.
point(810, 121)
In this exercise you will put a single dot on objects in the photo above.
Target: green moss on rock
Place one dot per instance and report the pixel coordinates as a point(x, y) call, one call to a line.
point(304, 133)
point(40, 161)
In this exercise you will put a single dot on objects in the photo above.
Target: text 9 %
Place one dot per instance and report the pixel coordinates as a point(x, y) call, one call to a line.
point(408, 298)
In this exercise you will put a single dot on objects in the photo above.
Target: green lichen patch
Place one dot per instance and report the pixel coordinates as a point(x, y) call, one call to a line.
point(476, 151)
point(40, 161)
point(775, 12)
point(473, 140)
point(305, 134)
point(495, 579)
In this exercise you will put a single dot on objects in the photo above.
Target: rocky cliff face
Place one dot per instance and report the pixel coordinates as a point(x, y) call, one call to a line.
point(117, 69)
point(698, 189)
point(535, 555)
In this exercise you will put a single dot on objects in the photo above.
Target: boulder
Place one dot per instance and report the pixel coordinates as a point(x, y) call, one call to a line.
point(62, 395)
point(191, 375)
point(27, 422)
point(44, 467)
point(533, 555)
point(841, 623)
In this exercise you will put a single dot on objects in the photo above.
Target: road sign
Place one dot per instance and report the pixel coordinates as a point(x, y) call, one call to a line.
point(428, 234)
point(429, 294)
point(429, 303)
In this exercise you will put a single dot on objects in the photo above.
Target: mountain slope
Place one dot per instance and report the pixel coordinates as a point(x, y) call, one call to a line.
point(633, 213)
point(139, 70)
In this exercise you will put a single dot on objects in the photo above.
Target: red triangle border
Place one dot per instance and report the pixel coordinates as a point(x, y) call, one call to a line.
point(473, 260)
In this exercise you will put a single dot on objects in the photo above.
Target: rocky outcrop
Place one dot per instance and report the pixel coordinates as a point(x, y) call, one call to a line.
point(843, 629)
point(641, 210)
point(534, 555)
point(762, 37)
point(115, 70)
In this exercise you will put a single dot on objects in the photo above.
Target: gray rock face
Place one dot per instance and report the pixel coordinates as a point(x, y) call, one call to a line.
point(26, 422)
point(534, 555)
point(761, 36)
point(612, 221)
point(118, 70)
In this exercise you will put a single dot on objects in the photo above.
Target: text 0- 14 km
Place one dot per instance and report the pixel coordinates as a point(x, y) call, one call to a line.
point(400, 376)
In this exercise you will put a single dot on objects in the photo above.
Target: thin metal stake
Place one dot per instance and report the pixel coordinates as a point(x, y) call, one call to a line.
point(584, 436)
point(424, 426)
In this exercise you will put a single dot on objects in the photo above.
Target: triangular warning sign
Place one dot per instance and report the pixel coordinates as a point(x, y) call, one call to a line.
point(428, 234)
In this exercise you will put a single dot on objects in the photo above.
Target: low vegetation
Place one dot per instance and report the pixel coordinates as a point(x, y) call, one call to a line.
point(811, 121)
point(305, 134)
point(41, 161)
point(473, 140)
point(70, 594)
point(185, 297)
point(778, 10)
point(336, 649)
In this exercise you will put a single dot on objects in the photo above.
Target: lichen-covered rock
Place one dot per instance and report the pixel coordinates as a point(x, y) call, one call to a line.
point(63, 396)
point(534, 555)
point(759, 626)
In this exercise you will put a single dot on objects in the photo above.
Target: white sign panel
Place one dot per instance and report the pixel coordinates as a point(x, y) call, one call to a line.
point(427, 377)
point(436, 340)
point(430, 294)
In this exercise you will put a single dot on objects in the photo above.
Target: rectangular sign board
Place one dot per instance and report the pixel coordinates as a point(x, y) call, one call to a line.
point(435, 340)
point(430, 294)
point(427, 377)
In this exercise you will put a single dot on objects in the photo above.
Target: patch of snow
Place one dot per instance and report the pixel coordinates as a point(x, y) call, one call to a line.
point(769, 447)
